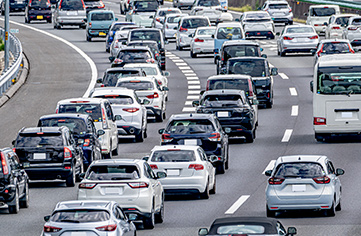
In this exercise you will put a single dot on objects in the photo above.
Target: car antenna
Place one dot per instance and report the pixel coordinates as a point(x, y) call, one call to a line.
point(299, 158)
point(190, 115)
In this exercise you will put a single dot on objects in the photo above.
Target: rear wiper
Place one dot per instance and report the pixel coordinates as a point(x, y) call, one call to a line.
point(71, 221)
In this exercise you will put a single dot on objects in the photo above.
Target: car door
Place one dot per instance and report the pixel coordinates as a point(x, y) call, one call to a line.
point(18, 173)
point(77, 152)
point(209, 167)
point(112, 125)
point(155, 185)
point(94, 139)
point(334, 179)
point(122, 221)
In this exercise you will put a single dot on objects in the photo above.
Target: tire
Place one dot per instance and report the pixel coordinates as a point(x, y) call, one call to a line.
point(282, 54)
point(269, 104)
point(24, 201)
point(26, 21)
point(331, 212)
point(83, 27)
point(70, 180)
point(338, 207)
point(193, 55)
point(226, 165)
point(50, 21)
point(270, 213)
point(139, 137)
point(14, 205)
point(88, 38)
point(115, 151)
point(250, 137)
point(149, 222)
point(321, 137)
point(145, 133)
point(213, 190)
point(163, 67)
point(221, 168)
point(58, 26)
point(159, 217)
point(107, 50)
point(278, 52)
point(205, 194)
point(290, 22)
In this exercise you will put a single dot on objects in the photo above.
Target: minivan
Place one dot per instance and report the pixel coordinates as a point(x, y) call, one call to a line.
point(38, 10)
point(98, 23)
point(318, 15)
point(69, 12)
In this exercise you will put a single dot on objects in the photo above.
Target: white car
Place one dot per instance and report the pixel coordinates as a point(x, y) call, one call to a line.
point(213, 15)
point(104, 119)
point(319, 14)
point(148, 88)
point(120, 39)
point(170, 23)
point(126, 103)
point(202, 41)
point(213, 4)
point(258, 24)
point(336, 25)
point(158, 19)
point(188, 26)
point(188, 169)
point(352, 31)
point(130, 183)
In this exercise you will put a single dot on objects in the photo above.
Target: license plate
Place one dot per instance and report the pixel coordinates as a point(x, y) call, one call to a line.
point(191, 142)
point(222, 114)
point(299, 188)
point(71, 13)
point(39, 17)
point(346, 114)
point(113, 190)
point(102, 34)
point(172, 172)
point(39, 156)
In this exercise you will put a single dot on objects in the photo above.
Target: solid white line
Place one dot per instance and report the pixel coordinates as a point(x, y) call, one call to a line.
point(181, 64)
point(184, 67)
point(283, 75)
point(194, 87)
point(194, 92)
point(237, 205)
point(93, 68)
point(287, 135)
point(187, 71)
point(192, 78)
point(188, 109)
point(192, 97)
point(193, 82)
point(270, 166)
point(293, 91)
point(294, 111)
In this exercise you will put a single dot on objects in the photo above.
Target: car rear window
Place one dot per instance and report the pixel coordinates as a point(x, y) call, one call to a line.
point(134, 55)
point(240, 51)
point(174, 19)
point(166, 12)
point(93, 3)
point(300, 30)
point(195, 23)
point(229, 33)
point(93, 110)
point(254, 68)
point(241, 229)
point(173, 156)
point(111, 78)
point(122, 26)
point(39, 3)
point(206, 31)
point(278, 6)
point(104, 16)
point(39, 139)
point(335, 47)
point(222, 101)
point(80, 216)
point(145, 35)
point(208, 3)
point(299, 170)
point(356, 21)
point(145, 6)
point(76, 126)
point(240, 84)
point(325, 11)
point(136, 85)
point(117, 99)
point(72, 5)
point(191, 126)
point(342, 20)
point(112, 172)
point(149, 70)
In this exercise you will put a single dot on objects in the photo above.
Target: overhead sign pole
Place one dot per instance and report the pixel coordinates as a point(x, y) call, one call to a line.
point(6, 37)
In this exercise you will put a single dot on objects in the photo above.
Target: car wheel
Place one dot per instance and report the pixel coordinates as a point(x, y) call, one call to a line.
point(83, 27)
point(180, 48)
point(205, 194)
point(54, 25)
point(176, 46)
point(215, 60)
point(331, 212)
point(193, 55)
point(282, 54)
point(321, 137)
point(88, 38)
point(14, 205)
point(338, 207)
point(58, 26)
point(250, 137)
point(139, 137)
point(213, 190)
point(115, 151)
point(227, 162)
point(70, 180)
point(290, 22)
point(145, 133)
point(278, 52)
point(269, 104)
point(149, 222)
point(159, 217)
point(270, 213)
point(163, 67)
point(221, 168)
point(24, 201)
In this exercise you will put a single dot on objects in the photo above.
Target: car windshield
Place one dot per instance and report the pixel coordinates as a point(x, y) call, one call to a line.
point(299, 170)
point(241, 229)
point(173, 155)
point(300, 30)
point(149, 70)
point(208, 3)
point(134, 55)
point(80, 216)
point(342, 20)
point(356, 21)
point(104, 16)
point(173, 19)
point(112, 172)
point(166, 12)
point(145, 35)
point(240, 84)
point(222, 101)
point(254, 68)
point(83, 108)
point(194, 23)
point(338, 83)
point(93, 3)
point(144, 6)
point(324, 11)
point(240, 51)
point(71, 5)
point(76, 126)
point(192, 126)
point(39, 140)
point(40, 3)
point(136, 85)
point(209, 31)
point(336, 47)
point(278, 6)
point(117, 99)
point(229, 33)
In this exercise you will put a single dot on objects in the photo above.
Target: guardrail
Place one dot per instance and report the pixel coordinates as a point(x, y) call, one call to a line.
point(9, 74)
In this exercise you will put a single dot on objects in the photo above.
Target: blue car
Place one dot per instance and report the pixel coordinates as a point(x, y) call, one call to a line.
point(113, 28)
point(98, 23)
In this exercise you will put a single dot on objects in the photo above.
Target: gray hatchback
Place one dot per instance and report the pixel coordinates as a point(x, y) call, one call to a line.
point(69, 12)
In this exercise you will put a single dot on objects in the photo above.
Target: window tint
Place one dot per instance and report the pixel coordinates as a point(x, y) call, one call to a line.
point(208, 3)
point(241, 229)
point(229, 33)
point(83, 108)
point(173, 156)
point(117, 99)
point(149, 70)
point(40, 3)
point(322, 11)
point(133, 55)
point(278, 6)
point(194, 23)
point(336, 47)
point(80, 216)
point(112, 172)
point(76, 126)
point(339, 83)
point(136, 85)
point(299, 170)
point(71, 5)
point(39, 140)
point(330, 168)
point(101, 16)
point(191, 126)
point(356, 21)
point(240, 84)
point(145, 35)
point(300, 30)
point(109, 111)
point(145, 6)
point(222, 101)
point(173, 19)
point(166, 12)
point(206, 31)
point(240, 51)
point(254, 68)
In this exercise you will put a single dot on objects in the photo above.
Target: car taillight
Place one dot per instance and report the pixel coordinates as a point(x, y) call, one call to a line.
point(138, 185)
point(151, 60)
point(289, 10)
point(117, 60)
point(319, 121)
point(181, 29)
point(336, 27)
point(154, 95)
point(107, 228)
point(287, 38)
point(196, 166)
point(157, 19)
point(67, 153)
point(14, 150)
point(86, 142)
point(199, 40)
point(313, 37)
point(250, 88)
point(275, 181)
point(216, 137)
point(322, 180)
point(3, 164)
point(87, 185)
point(166, 138)
point(105, 124)
point(51, 229)
point(90, 24)
point(131, 110)
point(352, 28)
point(154, 167)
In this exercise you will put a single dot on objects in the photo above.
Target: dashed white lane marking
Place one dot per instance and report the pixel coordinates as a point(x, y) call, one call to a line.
point(194, 92)
point(184, 67)
point(173, 58)
point(181, 64)
point(177, 60)
point(293, 91)
point(270, 166)
point(193, 82)
point(294, 111)
point(188, 103)
point(190, 74)
point(283, 75)
point(237, 205)
point(194, 87)
point(271, 66)
point(192, 78)
point(192, 97)
point(287, 135)
point(187, 71)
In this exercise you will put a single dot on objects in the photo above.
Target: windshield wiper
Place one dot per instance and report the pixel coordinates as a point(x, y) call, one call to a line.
point(70, 221)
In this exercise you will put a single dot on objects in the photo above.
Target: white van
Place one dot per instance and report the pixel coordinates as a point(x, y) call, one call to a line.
point(336, 88)
point(318, 15)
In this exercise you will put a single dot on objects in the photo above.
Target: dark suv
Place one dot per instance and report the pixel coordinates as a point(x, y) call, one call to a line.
point(38, 10)
point(83, 130)
point(49, 153)
point(112, 75)
point(15, 6)
point(14, 182)
point(203, 130)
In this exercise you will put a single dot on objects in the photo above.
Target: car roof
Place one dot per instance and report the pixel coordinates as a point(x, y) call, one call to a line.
point(281, 1)
point(301, 158)
point(334, 40)
point(117, 161)
point(112, 91)
point(31, 130)
point(229, 24)
point(240, 42)
point(252, 12)
point(347, 59)
point(246, 59)
point(191, 116)
point(271, 223)
point(298, 26)
point(167, 9)
point(65, 115)
point(125, 23)
point(82, 100)
point(223, 91)
point(84, 204)
point(120, 69)
point(323, 6)
point(134, 48)
point(231, 76)
point(101, 11)
point(172, 147)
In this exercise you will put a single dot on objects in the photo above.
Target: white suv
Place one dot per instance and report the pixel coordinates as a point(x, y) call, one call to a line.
point(131, 183)
point(148, 88)
point(126, 103)
point(102, 114)
point(279, 11)
point(258, 24)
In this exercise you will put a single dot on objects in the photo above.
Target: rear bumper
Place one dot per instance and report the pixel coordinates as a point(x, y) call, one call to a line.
point(128, 130)
point(152, 111)
point(48, 173)
point(259, 34)
point(96, 33)
point(176, 185)
point(71, 21)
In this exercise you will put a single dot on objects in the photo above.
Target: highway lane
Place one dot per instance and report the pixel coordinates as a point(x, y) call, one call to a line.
point(185, 216)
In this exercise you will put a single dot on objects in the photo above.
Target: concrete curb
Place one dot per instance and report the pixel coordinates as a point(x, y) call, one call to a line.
point(24, 72)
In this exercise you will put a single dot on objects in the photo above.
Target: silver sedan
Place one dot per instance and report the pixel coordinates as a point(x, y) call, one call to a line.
point(297, 38)
point(202, 41)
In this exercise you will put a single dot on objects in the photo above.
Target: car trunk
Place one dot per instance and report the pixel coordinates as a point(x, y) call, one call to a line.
point(127, 117)
point(299, 188)
point(175, 169)
point(44, 154)
point(343, 113)
point(119, 191)
point(231, 116)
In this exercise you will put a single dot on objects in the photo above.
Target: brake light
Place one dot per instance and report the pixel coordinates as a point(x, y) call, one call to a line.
point(250, 88)
point(352, 28)
point(216, 137)
point(67, 153)
point(336, 27)
point(107, 228)
point(181, 29)
point(287, 38)
point(275, 181)
point(105, 124)
point(14, 150)
point(3, 164)
point(322, 180)
point(154, 167)
point(90, 24)
point(151, 60)
point(117, 60)
point(157, 19)
point(138, 185)
point(51, 229)
point(131, 110)
point(199, 40)
point(290, 10)
point(196, 166)
point(351, 50)
point(166, 138)
point(87, 185)
point(86, 142)
point(314, 37)
point(319, 121)
point(154, 95)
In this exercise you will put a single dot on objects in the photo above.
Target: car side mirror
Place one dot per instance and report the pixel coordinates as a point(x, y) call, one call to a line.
point(145, 102)
point(118, 117)
point(166, 73)
point(291, 231)
point(305, 14)
point(175, 28)
point(311, 86)
point(278, 33)
point(81, 175)
point(274, 71)
point(195, 103)
point(325, 23)
point(151, 17)
point(161, 175)
point(85, 20)
point(124, 43)
point(47, 218)
point(13, 142)
point(161, 131)
point(100, 80)
point(202, 231)
point(227, 130)
point(202, 91)
point(339, 172)
point(111, 59)
point(212, 36)
point(145, 158)
point(100, 132)
point(237, 20)
point(165, 89)
point(254, 102)
point(268, 172)
point(264, 55)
